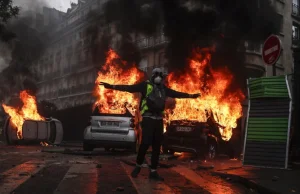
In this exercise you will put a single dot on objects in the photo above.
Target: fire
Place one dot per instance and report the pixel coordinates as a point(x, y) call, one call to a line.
point(44, 144)
point(27, 112)
point(115, 71)
point(215, 99)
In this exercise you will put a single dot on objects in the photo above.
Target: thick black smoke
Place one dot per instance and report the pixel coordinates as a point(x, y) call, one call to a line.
point(130, 18)
point(224, 24)
point(25, 38)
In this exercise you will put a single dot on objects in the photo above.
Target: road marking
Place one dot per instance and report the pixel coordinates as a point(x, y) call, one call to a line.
point(145, 186)
point(205, 184)
point(81, 178)
point(16, 176)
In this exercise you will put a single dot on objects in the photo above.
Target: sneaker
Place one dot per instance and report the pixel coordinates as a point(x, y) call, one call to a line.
point(135, 171)
point(155, 176)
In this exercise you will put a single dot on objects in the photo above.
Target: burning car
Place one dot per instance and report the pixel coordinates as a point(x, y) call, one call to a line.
point(49, 131)
point(202, 138)
point(114, 122)
point(25, 124)
point(111, 131)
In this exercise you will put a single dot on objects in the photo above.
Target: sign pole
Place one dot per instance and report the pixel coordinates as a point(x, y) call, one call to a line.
point(274, 69)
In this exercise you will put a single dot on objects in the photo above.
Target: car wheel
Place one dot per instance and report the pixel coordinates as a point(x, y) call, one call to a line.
point(87, 147)
point(211, 151)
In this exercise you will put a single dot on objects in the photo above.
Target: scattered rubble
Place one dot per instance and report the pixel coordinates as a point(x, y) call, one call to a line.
point(120, 189)
point(205, 167)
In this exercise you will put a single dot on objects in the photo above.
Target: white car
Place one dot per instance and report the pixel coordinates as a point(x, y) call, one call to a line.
point(111, 131)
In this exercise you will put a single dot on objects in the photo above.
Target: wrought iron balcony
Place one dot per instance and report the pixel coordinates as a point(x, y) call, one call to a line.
point(296, 41)
point(151, 41)
point(295, 10)
point(79, 89)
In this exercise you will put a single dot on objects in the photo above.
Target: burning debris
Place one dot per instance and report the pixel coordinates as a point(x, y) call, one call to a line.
point(116, 71)
point(27, 112)
point(45, 144)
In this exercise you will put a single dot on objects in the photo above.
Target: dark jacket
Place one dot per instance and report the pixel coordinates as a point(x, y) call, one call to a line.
point(142, 88)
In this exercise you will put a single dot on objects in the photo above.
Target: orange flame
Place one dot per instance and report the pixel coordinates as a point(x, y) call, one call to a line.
point(44, 144)
point(223, 106)
point(27, 112)
point(115, 71)
point(198, 77)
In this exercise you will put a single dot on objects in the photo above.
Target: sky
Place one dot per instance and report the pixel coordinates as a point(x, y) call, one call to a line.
point(61, 5)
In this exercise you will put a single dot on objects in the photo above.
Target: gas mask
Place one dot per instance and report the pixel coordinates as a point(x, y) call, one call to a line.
point(157, 80)
point(157, 76)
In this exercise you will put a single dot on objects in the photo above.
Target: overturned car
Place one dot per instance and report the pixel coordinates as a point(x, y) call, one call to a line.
point(49, 131)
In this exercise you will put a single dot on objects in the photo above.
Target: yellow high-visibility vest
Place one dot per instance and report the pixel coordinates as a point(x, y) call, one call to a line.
point(144, 106)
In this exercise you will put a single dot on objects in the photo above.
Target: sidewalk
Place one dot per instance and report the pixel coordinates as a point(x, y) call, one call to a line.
point(264, 180)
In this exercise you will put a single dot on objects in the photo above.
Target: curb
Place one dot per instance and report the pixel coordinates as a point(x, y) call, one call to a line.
point(131, 163)
point(246, 182)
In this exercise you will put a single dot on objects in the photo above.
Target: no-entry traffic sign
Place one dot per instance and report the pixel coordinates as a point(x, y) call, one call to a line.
point(271, 50)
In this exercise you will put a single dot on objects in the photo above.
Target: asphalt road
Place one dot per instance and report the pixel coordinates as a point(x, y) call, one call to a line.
point(59, 170)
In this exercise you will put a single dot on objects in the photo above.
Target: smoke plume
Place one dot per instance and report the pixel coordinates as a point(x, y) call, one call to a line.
point(23, 39)
point(190, 24)
point(129, 19)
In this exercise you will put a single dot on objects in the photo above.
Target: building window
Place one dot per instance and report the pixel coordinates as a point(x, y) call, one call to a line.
point(252, 47)
point(295, 32)
point(295, 8)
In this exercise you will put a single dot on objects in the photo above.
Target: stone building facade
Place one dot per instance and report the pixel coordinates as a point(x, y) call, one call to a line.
point(67, 73)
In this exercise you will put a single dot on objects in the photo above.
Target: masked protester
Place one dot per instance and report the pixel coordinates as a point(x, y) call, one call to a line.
point(154, 94)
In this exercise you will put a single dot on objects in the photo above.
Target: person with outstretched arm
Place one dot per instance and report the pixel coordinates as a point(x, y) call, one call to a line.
point(152, 105)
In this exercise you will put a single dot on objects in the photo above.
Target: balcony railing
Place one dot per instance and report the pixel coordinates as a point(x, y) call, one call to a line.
point(151, 41)
point(84, 88)
point(254, 48)
point(295, 9)
point(296, 41)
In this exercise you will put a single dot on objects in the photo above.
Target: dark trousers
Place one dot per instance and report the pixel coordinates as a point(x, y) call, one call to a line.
point(152, 134)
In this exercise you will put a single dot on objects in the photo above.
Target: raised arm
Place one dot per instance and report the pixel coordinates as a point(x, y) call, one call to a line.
point(140, 87)
point(174, 94)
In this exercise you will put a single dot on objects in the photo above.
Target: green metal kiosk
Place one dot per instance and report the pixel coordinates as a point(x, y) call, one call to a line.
point(267, 134)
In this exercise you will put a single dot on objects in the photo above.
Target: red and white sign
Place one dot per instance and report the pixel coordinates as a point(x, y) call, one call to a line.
point(271, 50)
